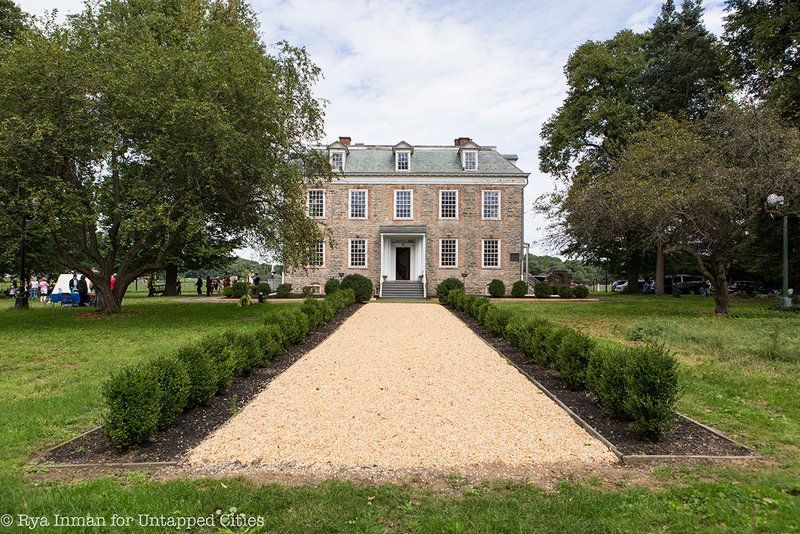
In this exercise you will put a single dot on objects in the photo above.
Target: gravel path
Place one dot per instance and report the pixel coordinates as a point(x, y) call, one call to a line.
point(401, 386)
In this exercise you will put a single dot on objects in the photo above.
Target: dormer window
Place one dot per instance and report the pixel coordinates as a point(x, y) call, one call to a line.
point(402, 156)
point(337, 161)
point(470, 160)
point(402, 160)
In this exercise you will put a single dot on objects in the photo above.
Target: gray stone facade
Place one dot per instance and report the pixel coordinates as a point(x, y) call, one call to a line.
point(382, 231)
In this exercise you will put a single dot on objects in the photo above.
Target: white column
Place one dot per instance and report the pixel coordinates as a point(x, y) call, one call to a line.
point(424, 266)
point(380, 280)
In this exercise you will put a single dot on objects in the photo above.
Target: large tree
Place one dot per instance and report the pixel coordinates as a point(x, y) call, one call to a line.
point(764, 38)
point(615, 88)
point(700, 185)
point(137, 120)
point(12, 20)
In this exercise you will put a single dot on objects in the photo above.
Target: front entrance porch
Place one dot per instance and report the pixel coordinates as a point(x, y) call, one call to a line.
point(403, 261)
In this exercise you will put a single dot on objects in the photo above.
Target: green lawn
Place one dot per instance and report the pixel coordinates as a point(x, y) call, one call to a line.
point(741, 375)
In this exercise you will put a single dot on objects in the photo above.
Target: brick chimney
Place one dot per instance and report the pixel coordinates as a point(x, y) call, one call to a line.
point(461, 141)
point(345, 141)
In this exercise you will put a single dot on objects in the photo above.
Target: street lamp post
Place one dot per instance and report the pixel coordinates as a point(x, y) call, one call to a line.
point(776, 204)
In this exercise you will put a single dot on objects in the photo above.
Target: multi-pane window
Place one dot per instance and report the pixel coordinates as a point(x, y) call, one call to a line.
point(358, 204)
point(491, 253)
point(403, 160)
point(448, 204)
point(470, 160)
point(337, 161)
point(403, 199)
point(491, 204)
point(358, 253)
point(316, 203)
point(448, 253)
point(318, 255)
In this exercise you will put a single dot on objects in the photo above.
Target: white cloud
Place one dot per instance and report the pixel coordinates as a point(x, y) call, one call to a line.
point(428, 72)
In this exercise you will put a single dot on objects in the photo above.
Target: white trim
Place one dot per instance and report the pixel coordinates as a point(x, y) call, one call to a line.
point(394, 206)
point(308, 202)
point(499, 254)
point(344, 159)
point(397, 160)
point(440, 205)
point(350, 253)
point(499, 205)
point(441, 266)
point(324, 263)
point(443, 179)
point(464, 160)
point(366, 204)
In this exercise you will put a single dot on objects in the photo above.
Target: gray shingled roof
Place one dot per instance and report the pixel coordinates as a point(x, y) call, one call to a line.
point(380, 160)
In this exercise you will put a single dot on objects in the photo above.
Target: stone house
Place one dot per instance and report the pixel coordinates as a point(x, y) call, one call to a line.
point(409, 216)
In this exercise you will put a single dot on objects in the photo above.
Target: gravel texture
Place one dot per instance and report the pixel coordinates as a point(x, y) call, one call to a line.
point(400, 386)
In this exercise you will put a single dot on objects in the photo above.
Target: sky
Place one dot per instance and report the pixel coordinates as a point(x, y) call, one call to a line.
point(429, 71)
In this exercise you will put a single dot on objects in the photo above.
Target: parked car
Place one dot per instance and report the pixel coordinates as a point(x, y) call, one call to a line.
point(688, 283)
point(618, 283)
point(624, 285)
point(747, 288)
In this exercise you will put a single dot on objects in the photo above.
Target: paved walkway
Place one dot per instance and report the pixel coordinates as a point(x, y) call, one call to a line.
point(401, 386)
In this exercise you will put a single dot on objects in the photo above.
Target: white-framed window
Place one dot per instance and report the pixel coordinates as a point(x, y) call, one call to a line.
point(315, 203)
point(403, 204)
point(317, 259)
point(491, 253)
point(448, 204)
point(470, 160)
point(402, 160)
point(316, 289)
point(357, 204)
point(490, 204)
point(337, 160)
point(357, 257)
point(448, 253)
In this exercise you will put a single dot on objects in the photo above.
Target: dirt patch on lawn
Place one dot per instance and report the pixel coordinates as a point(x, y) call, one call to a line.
point(195, 425)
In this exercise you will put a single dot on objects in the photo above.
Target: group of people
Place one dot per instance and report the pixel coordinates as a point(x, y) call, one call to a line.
point(41, 289)
point(215, 286)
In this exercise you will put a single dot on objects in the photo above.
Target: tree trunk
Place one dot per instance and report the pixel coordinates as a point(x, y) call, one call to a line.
point(632, 266)
point(171, 280)
point(104, 298)
point(722, 297)
point(659, 289)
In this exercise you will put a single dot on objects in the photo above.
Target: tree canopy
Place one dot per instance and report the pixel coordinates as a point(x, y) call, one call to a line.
point(137, 122)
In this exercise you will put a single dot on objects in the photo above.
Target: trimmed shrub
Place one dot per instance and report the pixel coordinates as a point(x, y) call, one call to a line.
point(551, 342)
point(341, 299)
point(477, 305)
point(497, 288)
point(283, 290)
point(308, 291)
point(573, 356)
point(466, 303)
point(270, 341)
point(202, 374)
point(565, 292)
point(456, 298)
point(217, 347)
point(244, 351)
point(313, 310)
point(446, 286)
point(261, 287)
point(360, 284)
point(528, 335)
point(173, 380)
point(519, 289)
point(331, 286)
point(496, 320)
point(294, 325)
point(605, 375)
point(134, 399)
point(542, 290)
point(580, 292)
point(327, 310)
point(236, 290)
point(651, 385)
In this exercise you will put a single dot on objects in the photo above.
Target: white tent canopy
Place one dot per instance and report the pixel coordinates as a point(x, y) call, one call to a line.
point(62, 284)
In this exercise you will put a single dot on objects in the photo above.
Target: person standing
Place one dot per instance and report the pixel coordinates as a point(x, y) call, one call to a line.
point(73, 284)
point(113, 281)
point(151, 290)
point(44, 290)
point(83, 291)
point(209, 286)
point(199, 285)
point(256, 280)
